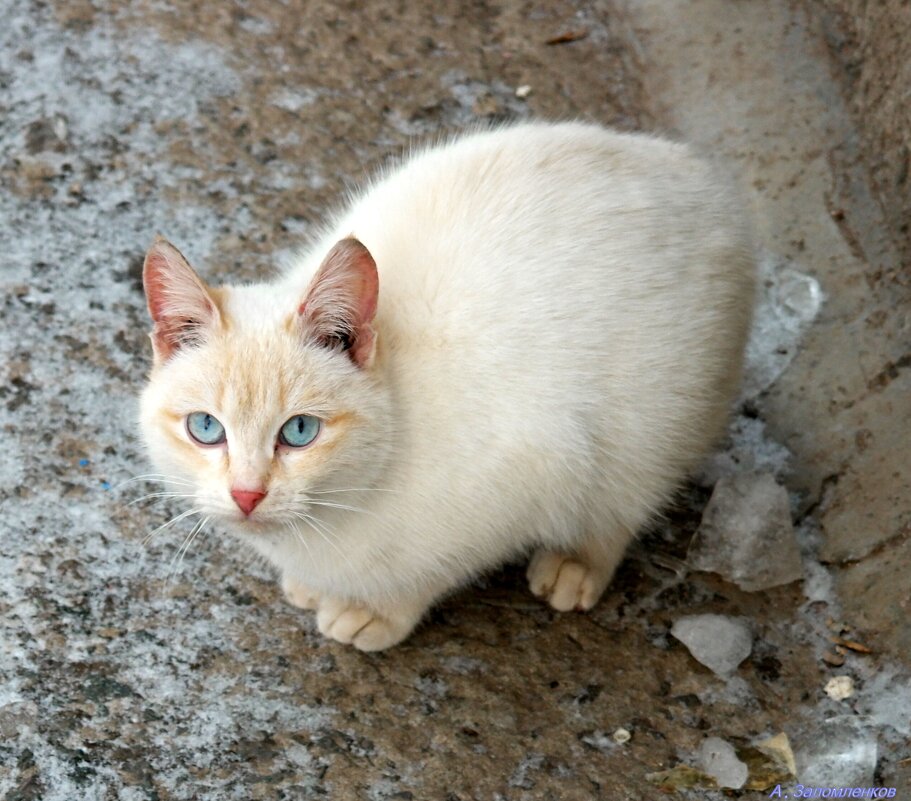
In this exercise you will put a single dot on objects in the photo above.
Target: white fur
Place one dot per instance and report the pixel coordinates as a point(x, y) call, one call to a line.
point(562, 314)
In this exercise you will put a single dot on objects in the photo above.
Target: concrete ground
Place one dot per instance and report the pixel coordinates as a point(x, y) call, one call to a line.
point(232, 128)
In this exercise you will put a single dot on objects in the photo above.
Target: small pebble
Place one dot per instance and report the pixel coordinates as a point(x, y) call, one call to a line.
point(833, 659)
point(621, 736)
point(523, 91)
point(840, 687)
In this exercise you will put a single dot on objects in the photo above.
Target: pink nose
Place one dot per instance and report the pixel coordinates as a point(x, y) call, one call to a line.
point(247, 500)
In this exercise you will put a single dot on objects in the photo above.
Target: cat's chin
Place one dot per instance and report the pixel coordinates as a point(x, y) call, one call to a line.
point(252, 526)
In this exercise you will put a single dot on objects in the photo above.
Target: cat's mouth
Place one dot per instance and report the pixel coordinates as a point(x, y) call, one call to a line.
point(299, 524)
point(266, 520)
point(255, 523)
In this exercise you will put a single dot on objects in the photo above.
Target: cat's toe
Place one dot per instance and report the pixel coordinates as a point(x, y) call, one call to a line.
point(565, 582)
point(342, 622)
point(378, 635)
point(359, 626)
point(299, 595)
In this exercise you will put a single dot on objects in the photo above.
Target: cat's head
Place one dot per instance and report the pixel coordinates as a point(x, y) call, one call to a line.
point(262, 400)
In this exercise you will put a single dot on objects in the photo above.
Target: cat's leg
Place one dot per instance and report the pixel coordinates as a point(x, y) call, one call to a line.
point(298, 594)
point(370, 628)
point(575, 581)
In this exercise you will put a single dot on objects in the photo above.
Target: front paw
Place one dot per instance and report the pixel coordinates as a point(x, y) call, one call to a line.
point(567, 583)
point(362, 627)
point(299, 595)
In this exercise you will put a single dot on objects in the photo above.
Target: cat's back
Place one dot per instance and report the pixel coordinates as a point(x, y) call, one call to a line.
point(551, 223)
point(532, 212)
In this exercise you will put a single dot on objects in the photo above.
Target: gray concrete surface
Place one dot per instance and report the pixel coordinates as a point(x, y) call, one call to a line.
point(232, 128)
point(758, 92)
point(871, 43)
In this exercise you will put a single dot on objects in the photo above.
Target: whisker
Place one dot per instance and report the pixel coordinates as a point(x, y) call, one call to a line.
point(312, 522)
point(171, 522)
point(352, 489)
point(186, 540)
point(161, 478)
point(332, 504)
point(193, 535)
point(163, 495)
point(300, 538)
point(339, 506)
point(185, 547)
point(319, 523)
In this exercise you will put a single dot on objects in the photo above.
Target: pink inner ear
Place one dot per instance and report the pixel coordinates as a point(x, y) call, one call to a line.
point(178, 300)
point(155, 284)
point(341, 301)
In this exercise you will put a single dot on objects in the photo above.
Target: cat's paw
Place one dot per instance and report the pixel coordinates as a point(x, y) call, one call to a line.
point(361, 627)
point(299, 595)
point(566, 582)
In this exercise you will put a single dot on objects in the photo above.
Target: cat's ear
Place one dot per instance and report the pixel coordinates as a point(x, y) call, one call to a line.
point(340, 303)
point(180, 303)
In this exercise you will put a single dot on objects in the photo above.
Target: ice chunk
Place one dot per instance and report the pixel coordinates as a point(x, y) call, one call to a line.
point(886, 698)
point(788, 302)
point(746, 534)
point(748, 448)
point(841, 751)
point(719, 760)
point(718, 642)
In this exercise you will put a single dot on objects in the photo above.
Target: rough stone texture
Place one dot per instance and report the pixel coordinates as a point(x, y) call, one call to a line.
point(872, 488)
point(790, 134)
point(872, 42)
point(867, 506)
point(877, 597)
point(232, 127)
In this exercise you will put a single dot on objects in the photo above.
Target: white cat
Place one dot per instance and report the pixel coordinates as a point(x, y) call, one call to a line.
point(517, 342)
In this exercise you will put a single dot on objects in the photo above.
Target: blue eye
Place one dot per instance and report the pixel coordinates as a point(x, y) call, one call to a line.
point(299, 431)
point(205, 429)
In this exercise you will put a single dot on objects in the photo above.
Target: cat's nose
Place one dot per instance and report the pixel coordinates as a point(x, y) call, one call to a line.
point(247, 499)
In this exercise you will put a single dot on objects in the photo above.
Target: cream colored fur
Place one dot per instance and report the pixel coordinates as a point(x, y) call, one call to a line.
point(562, 314)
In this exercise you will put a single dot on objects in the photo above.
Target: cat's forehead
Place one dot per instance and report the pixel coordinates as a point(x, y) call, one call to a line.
point(262, 369)
point(256, 308)
point(256, 361)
